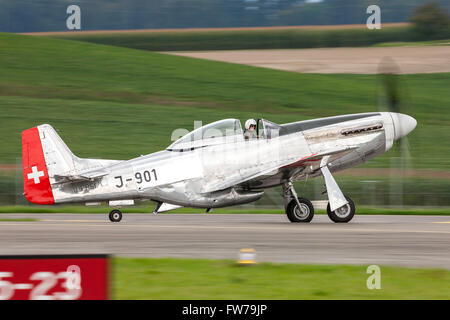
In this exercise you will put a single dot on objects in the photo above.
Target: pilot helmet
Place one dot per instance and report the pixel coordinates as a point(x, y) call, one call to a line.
point(250, 122)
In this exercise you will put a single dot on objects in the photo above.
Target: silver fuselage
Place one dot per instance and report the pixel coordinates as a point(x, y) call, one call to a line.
point(191, 178)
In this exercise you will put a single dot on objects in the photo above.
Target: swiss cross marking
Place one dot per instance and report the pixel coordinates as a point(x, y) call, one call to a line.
point(35, 174)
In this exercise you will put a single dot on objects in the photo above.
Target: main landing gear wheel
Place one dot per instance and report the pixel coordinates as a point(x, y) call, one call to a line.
point(304, 213)
point(115, 215)
point(343, 214)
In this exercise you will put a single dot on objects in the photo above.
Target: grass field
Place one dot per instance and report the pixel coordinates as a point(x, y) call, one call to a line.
point(18, 220)
point(118, 103)
point(247, 38)
point(168, 278)
point(445, 42)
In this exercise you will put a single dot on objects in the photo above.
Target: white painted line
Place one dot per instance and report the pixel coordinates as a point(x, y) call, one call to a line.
point(288, 227)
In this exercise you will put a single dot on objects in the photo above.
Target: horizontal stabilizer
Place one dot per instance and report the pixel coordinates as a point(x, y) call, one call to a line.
point(80, 177)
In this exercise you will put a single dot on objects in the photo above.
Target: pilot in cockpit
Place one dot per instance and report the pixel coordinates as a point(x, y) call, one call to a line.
point(250, 129)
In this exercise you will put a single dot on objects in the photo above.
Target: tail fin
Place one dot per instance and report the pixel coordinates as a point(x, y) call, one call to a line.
point(58, 157)
point(44, 155)
point(45, 159)
point(36, 182)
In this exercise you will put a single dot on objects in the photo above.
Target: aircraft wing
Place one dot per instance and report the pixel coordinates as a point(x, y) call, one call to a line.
point(269, 169)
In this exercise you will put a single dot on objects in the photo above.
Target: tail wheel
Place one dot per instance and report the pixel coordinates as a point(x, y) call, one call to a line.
point(115, 215)
point(343, 214)
point(304, 213)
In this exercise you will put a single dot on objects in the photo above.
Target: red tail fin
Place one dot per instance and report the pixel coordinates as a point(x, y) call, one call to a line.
point(36, 183)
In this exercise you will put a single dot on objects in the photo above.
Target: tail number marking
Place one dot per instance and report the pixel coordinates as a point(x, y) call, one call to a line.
point(146, 175)
point(140, 177)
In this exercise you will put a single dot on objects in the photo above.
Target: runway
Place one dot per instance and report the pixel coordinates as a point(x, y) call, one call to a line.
point(415, 241)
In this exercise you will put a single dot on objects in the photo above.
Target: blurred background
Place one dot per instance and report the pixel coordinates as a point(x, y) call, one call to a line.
point(45, 15)
point(125, 99)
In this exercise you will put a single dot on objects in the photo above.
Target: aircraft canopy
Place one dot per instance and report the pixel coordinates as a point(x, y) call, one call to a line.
point(219, 132)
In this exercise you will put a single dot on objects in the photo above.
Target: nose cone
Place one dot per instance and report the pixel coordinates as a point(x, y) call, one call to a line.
point(403, 124)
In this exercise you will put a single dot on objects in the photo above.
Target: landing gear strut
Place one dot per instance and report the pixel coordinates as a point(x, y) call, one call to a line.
point(297, 209)
point(340, 207)
point(115, 215)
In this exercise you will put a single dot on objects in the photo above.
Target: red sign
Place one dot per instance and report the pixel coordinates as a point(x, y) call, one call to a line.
point(59, 277)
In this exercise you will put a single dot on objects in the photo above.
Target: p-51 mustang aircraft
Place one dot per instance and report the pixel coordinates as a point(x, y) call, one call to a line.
point(215, 165)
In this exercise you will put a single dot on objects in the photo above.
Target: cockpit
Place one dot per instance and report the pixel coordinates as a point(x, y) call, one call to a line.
point(220, 132)
point(267, 129)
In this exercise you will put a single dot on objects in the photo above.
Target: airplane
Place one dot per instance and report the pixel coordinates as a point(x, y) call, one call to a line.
point(215, 166)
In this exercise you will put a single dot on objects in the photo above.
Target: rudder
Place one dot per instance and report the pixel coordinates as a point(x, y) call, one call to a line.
point(36, 182)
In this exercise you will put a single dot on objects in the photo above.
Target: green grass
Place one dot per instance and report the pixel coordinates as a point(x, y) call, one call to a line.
point(119, 103)
point(247, 39)
point(113, 102)
point(122, 130)
point(232, 210)
point(19, 220)
point(445, 42)
point(174, 279)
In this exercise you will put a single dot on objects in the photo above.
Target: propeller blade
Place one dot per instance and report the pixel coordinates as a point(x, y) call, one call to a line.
point(388, 72)
point(393, 97)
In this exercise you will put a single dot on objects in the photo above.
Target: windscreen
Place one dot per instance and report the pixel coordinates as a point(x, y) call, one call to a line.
point(212, 133)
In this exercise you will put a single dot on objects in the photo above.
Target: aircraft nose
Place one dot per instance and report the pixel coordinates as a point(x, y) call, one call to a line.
point(403, 124)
